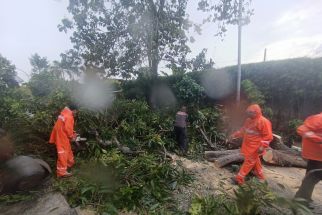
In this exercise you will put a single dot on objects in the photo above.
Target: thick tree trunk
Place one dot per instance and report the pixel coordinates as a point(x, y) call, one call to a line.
point(216, 154)
point(273, 157)
point(153, 46)
point(278, 144)
point(283, 158)
point(228, 159)
point(280, 155)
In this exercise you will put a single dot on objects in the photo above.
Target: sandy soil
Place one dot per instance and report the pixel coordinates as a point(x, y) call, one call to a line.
point(211, 179)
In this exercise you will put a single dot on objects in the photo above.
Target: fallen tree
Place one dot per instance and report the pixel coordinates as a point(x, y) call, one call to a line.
point(278, 154)
point(283, 158)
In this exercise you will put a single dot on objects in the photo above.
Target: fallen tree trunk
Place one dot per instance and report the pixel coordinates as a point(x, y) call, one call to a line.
point(216, 154)
point(272, 156)
point(228, 159)
point(279, 154)
point(278, 144)
point(283, 158)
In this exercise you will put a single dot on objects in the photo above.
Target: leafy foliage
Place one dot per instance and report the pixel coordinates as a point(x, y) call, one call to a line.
point(290, 133)
point(225, 12)
point(189, 91)
point(200, 64)
point(252, 198)
point(39, 64)
point(116, 37)
point(7, 74)
point(133, 123)
point(144, 184)
point(7, 82)
point(208, 205)
point(14, 198)
point(291, 87)
point(252, 92)
point(208, 122)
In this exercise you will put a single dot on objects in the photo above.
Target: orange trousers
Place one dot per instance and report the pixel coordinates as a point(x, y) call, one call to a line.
point(252, 162)
point(65, 158)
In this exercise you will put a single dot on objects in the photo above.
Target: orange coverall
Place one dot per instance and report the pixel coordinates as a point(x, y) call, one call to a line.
point(256, 132)
point(311, 132)
point(61, 135)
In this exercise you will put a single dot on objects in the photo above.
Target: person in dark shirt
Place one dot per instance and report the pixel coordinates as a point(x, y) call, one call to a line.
point(180, 129)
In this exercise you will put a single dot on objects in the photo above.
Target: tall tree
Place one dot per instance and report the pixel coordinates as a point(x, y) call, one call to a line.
point(39, 64)
point(116, 37)
point(7, 73)
point(225, 12)
point(200, 63)
point(7, 82)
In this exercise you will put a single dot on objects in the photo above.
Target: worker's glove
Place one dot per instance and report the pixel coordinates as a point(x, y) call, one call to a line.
point(73, 138)
point(261, 150)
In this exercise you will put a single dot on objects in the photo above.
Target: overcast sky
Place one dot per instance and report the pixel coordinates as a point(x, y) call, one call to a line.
point(287, 28)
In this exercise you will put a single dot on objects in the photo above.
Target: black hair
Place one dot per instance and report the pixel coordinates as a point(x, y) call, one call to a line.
point(73, 106)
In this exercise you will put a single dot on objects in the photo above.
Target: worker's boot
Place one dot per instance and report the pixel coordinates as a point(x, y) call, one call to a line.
point(67, 175)
point(234, 181)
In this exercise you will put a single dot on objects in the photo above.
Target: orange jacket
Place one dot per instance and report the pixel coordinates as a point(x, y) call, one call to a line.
point(63, 130)
point(311, 132)
point(255, 132)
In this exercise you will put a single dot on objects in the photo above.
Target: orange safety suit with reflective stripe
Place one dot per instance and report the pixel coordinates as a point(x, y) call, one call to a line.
point(61, 135)
point(256, 132)
point(311, 132)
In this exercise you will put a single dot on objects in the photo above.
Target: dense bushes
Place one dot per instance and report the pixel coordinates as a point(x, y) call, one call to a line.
point(287, 89)
point(292, 88)
point(113, 182)
point(132, 122)
point(186, 89)
point(145, 179)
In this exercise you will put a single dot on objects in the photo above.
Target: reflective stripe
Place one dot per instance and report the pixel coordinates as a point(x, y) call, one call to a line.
point(61, 152)
point(61, 117)
point(239, 174)
point(61, 168)
point(182, 113)
point(266, 143)
point(249, 131)
point(308, 134)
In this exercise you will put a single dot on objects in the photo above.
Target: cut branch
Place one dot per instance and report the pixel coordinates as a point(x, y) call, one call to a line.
point(212, 145)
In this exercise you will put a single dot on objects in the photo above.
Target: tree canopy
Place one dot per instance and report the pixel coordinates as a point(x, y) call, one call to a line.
point(117, 38)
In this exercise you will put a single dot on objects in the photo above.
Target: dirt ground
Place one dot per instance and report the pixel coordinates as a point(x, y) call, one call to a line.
point(211, 179)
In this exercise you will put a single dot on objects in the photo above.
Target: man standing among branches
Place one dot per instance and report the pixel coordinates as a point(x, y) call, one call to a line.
point(257, 134)
point(180, 129)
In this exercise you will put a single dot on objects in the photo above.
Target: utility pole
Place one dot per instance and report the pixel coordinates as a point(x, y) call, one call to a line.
point(265, 55)
point(239, 50)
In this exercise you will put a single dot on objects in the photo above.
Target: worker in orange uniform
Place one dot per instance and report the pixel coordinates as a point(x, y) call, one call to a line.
point(62, 134)
point(311, 132)
point(257, 134)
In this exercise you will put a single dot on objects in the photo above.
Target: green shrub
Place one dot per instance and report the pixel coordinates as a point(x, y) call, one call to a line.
point(142, 183)
point(252, 92)
point(251, 198)
point(189, 91)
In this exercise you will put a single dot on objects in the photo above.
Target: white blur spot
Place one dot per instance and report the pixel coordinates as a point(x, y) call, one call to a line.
point(94, 94)
point(162, 96)
point(217, 84)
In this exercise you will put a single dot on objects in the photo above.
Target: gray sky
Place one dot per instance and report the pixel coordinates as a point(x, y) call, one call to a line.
point(287, 28)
